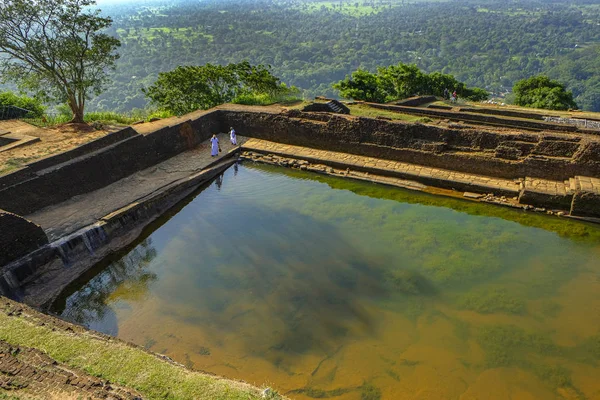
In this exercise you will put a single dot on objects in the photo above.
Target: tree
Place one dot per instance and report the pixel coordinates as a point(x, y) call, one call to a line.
point(542, 92)
point(56, 48)
point(362, 85)
point(401, 81)
point(189, 88)
point(406, 79)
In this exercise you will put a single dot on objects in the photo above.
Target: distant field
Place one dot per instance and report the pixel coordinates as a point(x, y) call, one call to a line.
point(355, 8)
point(157, 32)
point(352, 9)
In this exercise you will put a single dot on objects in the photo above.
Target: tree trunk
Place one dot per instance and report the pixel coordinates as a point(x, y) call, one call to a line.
point(77, 113)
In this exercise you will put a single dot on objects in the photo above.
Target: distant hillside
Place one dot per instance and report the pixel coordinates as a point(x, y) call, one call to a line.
point(312, 44)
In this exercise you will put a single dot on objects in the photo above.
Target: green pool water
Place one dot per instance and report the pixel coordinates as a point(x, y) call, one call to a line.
point(330, 288)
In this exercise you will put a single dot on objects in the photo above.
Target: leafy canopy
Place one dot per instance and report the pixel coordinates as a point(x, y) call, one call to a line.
point(189, 88)
point(542, 92)
point(401, 81)
point(56, 48)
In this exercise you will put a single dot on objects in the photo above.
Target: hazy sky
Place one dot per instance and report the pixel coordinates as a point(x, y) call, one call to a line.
point(101, 2)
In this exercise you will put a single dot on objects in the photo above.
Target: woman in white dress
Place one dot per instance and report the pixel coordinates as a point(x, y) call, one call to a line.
point(232, 137)
point(214, 146)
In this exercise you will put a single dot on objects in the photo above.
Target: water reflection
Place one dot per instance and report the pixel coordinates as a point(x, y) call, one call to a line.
point(288, 282)
point(127, 278)
point(328, 294)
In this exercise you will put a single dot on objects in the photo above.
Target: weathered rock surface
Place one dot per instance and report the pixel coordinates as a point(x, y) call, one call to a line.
point(18, 237)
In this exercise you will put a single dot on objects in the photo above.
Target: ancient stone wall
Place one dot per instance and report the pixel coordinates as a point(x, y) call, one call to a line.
point(478, 118)
point(416, 101)
point(18, 237)
point(556, 156)
point(72, 175)
point(32, 168)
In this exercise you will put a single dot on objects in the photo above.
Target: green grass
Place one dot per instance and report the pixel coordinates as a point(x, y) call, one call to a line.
point(4, 396)
point(265, 99)
point(366, 111)
point(105, 117)
point(14, 163)
point(122, 364)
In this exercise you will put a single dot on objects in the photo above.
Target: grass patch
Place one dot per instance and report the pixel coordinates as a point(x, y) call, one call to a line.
point(105, 117)
point(264, 99)
point(4, 396)
point(14, 163)
point(122, 364)
point(362, 110)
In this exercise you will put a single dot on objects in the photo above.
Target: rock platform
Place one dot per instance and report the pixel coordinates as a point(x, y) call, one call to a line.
point(578, 196)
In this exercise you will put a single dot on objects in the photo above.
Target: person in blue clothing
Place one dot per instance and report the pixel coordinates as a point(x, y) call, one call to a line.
point(233, 137)
point(214, 146)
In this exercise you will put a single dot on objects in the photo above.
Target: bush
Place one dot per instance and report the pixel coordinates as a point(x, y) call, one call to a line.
point(33, 105)
point(542, 92)
point(264, 99)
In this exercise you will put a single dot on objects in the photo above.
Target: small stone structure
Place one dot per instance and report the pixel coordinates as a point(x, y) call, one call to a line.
point(416, 101)
point(332, 106)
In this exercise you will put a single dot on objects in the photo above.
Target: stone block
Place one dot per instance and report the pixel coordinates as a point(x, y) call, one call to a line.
point(532, 197)
point(586, 204)
point(556, 148)
point(508, 153)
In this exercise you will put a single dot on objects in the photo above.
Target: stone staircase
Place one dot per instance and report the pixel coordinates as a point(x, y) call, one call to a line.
point(338, 107)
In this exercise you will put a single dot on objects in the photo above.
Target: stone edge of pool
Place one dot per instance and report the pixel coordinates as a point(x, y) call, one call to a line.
point(38, 278)
point(60, 359)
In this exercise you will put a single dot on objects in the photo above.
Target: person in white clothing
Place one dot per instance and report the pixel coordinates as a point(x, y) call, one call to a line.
point(232, 137)
point(214, 146)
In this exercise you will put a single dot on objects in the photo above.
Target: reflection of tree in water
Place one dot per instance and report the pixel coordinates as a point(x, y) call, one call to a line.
point(89, 306)
point(280, 281)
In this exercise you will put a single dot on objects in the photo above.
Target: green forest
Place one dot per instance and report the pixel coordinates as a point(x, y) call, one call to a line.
point(313, 44)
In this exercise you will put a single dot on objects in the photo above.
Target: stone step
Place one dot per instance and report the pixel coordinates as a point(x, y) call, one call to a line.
point(446, 179)
point(573, 185)
point(588, 184)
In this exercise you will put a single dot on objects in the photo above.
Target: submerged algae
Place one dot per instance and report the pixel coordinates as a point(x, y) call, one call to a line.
point(370, 392)
point(563, 227)
point(485, 301)
point(413, 283)
point(509, 345)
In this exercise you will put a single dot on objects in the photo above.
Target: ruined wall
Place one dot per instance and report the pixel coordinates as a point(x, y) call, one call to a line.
point(18, 237)
point(72, 174)
point(416, 101)
point(32, 168)
point(501, 121)
point(555, 156)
